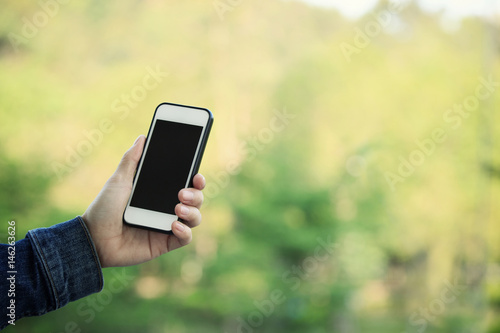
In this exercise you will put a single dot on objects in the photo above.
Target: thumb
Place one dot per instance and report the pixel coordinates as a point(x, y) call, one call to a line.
point(128, 164)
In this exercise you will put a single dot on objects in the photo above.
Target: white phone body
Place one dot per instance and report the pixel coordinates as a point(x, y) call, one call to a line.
point(171, 157)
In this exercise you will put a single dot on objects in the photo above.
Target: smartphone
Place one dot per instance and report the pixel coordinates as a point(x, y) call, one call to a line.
point(171, 158)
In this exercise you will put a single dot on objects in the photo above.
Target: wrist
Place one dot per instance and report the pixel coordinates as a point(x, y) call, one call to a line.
point(93, 238)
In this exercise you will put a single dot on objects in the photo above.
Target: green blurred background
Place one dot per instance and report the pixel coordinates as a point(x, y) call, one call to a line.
point(353, 172)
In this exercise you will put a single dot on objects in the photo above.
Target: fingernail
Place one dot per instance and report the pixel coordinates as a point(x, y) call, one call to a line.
point(204, 181)
point(179, 226)
point(187, 195)
point(184, 210)
point(136, 140)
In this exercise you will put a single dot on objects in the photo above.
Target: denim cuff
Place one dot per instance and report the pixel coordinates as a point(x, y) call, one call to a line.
point(70, 260)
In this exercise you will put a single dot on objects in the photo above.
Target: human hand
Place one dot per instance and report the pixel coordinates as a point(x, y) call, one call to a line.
point(118, 244)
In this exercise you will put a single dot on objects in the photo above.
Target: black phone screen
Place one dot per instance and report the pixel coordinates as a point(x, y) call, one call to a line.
point(166, 166)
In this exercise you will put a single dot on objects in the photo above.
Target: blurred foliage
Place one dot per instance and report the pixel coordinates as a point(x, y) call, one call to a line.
point(301, 232)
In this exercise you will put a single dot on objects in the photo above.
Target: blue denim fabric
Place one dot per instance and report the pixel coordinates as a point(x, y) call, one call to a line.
point(54, 266)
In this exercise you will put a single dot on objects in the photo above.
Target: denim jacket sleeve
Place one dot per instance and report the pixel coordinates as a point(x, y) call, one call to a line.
point(52, 267)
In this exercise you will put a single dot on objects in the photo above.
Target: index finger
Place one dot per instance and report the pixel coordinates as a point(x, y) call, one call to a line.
point(199, 181)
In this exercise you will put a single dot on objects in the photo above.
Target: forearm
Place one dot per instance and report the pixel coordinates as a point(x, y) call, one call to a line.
point(54, 266)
